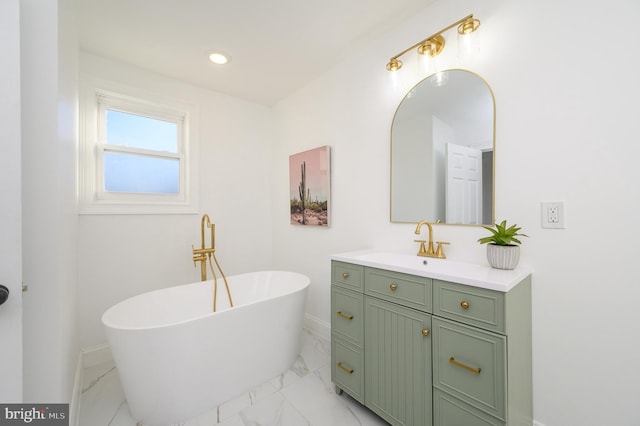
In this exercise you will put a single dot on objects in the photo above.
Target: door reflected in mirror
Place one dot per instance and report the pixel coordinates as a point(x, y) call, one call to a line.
point(442, 151)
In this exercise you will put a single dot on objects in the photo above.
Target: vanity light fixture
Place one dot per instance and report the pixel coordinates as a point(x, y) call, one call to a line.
point(434, 44)
point(468, 42)
point(432, 47)
point(394, 64)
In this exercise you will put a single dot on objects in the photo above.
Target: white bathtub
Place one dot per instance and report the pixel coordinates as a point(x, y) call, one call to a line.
point(177, 359)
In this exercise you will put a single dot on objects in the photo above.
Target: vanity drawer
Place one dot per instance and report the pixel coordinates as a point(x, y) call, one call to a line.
point(347, 319)
point(450, 411)
point(347, 370)
point(471, 305)
point(408, 290)
point(347, 275)
point(470, 364)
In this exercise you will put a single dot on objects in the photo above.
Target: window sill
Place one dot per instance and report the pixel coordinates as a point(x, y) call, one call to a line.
point(133, 209)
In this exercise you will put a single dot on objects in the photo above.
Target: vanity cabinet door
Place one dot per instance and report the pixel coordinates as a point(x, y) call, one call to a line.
point(407, 290)
point(470, 364)
point(481, 307)
point(348, 276)
point(398, 363)
point(347, 370)
point(347, 319)
point(450, 411)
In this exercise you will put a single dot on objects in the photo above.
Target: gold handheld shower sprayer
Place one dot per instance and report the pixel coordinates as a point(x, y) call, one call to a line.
point(204, 254)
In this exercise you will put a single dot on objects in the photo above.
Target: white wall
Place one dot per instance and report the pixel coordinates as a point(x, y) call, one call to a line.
point(125, 255)
point(10, 212)
point(564, 75)
point(49, 221)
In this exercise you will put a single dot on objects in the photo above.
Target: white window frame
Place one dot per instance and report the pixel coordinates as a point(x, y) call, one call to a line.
point(96, 99)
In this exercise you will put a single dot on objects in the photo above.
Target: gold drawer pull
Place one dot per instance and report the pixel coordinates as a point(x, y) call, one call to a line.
point(342, 367)
point(464, 305)
point(466, 367)
point(425, 332)
point(345, 275)
point(393, 287)
point(345, 316)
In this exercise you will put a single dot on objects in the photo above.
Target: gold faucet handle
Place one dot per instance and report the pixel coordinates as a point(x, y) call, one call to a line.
point(423, 249)
point(199, 258)
point(439, 250)
point(198, 255)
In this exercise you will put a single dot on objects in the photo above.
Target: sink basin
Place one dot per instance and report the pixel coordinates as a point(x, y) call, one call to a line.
point(444, 269)
point(400, 260)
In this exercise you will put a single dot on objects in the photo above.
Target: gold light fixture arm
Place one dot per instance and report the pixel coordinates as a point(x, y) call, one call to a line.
point(436, 38)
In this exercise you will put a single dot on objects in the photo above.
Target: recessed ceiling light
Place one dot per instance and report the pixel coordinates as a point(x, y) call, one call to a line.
point(218, 58)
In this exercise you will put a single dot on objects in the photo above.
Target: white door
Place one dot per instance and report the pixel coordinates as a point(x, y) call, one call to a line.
point(464, 185)
point(10, 208)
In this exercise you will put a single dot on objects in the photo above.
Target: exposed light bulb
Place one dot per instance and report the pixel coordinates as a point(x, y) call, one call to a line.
point(468, 39)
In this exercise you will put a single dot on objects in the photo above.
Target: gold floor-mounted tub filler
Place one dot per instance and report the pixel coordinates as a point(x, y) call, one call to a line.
point(204, 254)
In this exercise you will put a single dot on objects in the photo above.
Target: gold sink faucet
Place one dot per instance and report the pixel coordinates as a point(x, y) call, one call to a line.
point(429, 251)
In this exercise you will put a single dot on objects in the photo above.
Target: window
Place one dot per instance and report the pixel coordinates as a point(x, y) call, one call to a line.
point(135, 155)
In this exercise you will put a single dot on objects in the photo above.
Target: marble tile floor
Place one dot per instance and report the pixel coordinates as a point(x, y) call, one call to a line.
point(303, 395)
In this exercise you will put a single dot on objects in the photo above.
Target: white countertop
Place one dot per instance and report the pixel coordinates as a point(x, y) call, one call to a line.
point(475, 275)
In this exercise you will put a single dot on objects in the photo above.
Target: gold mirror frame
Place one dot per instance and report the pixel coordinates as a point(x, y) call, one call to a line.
point(415, 173)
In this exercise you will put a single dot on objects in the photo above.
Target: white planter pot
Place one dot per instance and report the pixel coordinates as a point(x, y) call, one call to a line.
point(503, 257)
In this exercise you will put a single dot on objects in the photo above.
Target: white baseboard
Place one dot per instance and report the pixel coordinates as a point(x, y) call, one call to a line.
point(88, 357)
point(535, 423)
point(96, 355)
point(317, 326)
point(74, 406)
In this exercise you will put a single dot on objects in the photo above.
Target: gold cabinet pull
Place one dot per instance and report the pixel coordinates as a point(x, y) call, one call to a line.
point(464, 305)
point(393, 287)
point(342, 367)
point(345, 316)
point(345, 275)
point(425, 332)
point(466, 367)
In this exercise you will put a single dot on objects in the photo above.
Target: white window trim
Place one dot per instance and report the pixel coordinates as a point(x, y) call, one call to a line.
point(95, 97)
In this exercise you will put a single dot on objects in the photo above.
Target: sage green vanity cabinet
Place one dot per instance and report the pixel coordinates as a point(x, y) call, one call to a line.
point(448, 410)
point(491, 330)
point(397, 362)
point(470, 364)
point(403, 289)
point(347, 329)
point(423, 351)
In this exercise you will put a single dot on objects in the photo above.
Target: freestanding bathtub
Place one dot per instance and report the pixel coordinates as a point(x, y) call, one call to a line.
point(177, 359)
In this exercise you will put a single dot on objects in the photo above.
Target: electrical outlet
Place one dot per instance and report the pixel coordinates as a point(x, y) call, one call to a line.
point(553, 215)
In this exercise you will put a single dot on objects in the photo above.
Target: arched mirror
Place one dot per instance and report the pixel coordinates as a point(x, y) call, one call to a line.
point(442, 151)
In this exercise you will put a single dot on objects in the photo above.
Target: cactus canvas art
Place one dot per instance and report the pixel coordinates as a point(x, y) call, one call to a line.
point(309, 187)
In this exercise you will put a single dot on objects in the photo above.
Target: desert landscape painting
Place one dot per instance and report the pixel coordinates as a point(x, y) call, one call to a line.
point(309, 187)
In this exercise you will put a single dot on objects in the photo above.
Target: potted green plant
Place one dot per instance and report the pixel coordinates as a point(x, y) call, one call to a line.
point(503, 251)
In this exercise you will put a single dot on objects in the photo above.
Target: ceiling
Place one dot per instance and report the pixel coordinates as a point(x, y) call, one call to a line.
point(276, 46)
